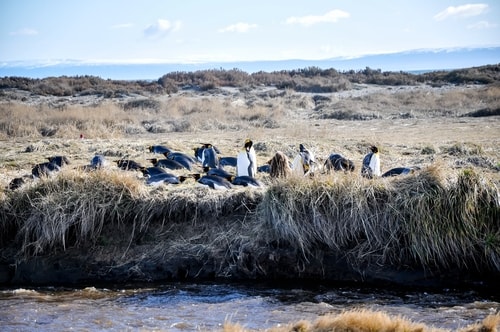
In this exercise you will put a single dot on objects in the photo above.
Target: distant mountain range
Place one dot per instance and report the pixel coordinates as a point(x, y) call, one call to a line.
point(417, 61)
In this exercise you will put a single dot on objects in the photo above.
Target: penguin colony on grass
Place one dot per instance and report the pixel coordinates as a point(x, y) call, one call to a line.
point(214, 168)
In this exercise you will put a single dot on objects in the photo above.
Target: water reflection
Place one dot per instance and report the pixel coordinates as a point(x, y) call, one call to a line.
point(205, 307)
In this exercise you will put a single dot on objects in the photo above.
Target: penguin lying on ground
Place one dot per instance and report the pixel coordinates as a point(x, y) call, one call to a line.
point(159, 149)
point(98, 161)
point(400, 171)
point(181, 158)
point(59, 160)
point(54, 164)
point(213, 181)
point(151, 171)
point(165, 178)
point(228, 161)
point(246, 181)
point(166, 163)
point(128, 165)
point(44, 169)
point(337, 162)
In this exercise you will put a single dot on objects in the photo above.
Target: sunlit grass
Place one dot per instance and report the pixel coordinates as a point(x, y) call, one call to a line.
point(362, 320)
point(430, 220)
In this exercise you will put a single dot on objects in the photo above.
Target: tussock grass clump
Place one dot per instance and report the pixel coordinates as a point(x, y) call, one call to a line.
point(426, 221)
point(71, 208)
point(423, 220)
point(74, 208)
point(463, 149)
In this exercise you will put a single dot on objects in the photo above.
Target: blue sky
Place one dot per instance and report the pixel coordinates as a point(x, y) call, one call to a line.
point(147, 31)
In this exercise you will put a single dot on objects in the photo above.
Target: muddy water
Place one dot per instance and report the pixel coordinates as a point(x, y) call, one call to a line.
point(205, 307)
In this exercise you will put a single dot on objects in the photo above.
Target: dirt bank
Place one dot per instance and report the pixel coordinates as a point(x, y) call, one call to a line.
point(421, 230)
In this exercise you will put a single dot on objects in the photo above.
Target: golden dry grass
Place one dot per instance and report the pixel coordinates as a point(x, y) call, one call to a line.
point(426, 220)
point(362, 320)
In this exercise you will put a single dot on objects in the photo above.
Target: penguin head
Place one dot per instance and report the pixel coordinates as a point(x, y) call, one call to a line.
point(248, 144)
point(195, 176)
point(374, 149)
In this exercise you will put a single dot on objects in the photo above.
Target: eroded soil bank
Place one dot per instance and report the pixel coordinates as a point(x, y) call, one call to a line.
point(97, 265)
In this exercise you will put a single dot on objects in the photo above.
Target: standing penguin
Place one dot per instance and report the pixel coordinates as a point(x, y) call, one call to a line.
point(371, 164)
point(304, 162)
point(209, 157)
point(246, 164)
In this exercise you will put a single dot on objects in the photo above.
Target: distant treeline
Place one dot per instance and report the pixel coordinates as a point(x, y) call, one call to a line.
point(310, 79)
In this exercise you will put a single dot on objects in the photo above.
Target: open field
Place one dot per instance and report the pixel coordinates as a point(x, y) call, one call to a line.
point(412, 126)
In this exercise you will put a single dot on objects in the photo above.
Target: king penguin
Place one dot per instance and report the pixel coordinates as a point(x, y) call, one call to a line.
point(213, 181)
point(400, 171)
point(337, 162)
point(209, 157)
point(246, 164)
point(371, 164)
point(303, 162)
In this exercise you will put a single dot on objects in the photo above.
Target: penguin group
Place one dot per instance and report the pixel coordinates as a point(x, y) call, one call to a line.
point(208, 168)
point(213, 167)
point(48, 168)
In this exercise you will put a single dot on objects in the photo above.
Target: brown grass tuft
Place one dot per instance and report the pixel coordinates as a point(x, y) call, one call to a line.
point(490, 324)
point(280, 166)
point(364, 320)
point(424, 218)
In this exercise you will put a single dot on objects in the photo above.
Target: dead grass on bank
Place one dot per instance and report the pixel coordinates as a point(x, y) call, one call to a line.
point(75, 208)
point(426, 220)
point(363, 320)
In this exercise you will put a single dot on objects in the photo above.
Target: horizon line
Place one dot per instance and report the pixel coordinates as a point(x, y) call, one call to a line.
point(40, 63)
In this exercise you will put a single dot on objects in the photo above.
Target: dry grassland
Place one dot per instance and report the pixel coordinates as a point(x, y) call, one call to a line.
point(411, 125)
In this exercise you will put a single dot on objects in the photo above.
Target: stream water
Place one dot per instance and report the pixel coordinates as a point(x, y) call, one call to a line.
point(206, 306)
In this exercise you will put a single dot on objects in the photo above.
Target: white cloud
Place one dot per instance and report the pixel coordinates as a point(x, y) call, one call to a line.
point(161, 28)
point(238, 27)
point(468, 10)
point(24, 32)
point(330, 17)
point(481, 25)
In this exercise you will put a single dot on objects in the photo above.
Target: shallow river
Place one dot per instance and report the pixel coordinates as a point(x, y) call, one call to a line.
point(205, 307)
